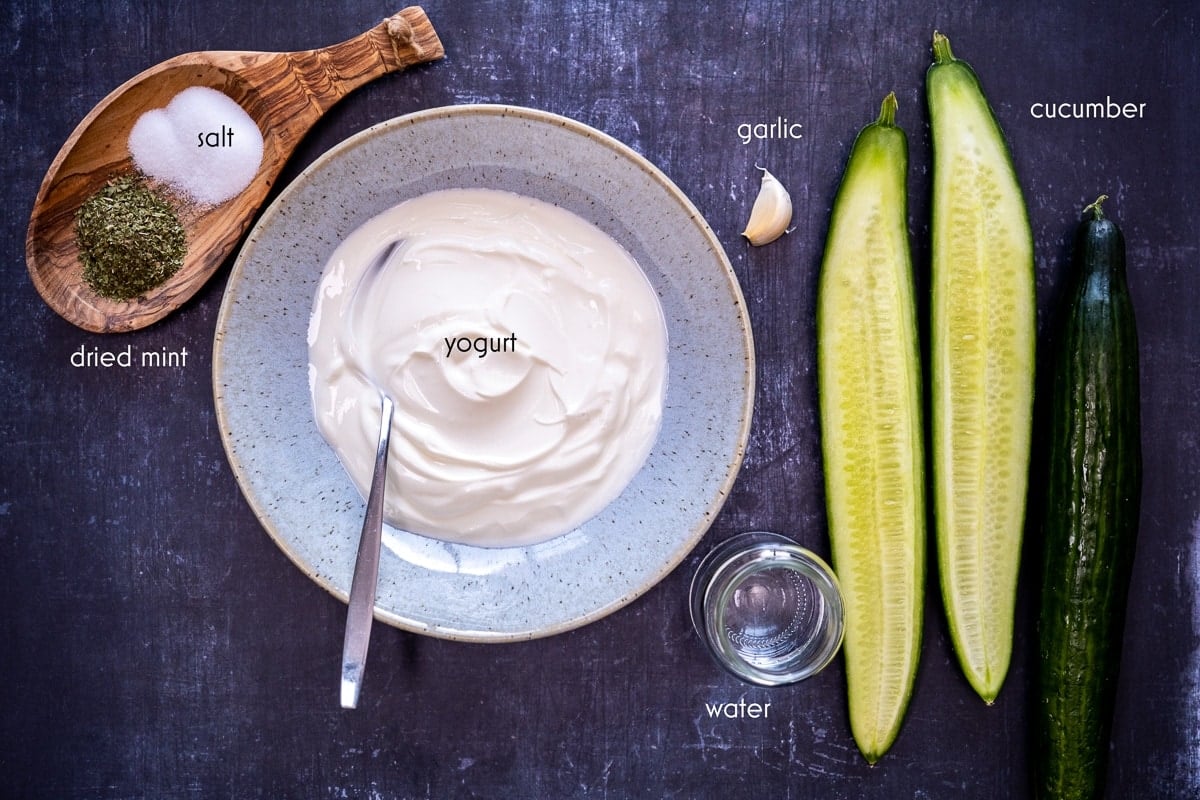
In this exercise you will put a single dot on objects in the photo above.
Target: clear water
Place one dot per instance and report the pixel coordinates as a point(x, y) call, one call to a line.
point(768, 610)
point(774, 620)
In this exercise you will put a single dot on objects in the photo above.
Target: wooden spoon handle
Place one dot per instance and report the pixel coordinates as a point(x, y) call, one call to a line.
point(400, 41)
point(303, 85)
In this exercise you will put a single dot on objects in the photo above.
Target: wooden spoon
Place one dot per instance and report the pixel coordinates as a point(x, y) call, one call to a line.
point(284, 93)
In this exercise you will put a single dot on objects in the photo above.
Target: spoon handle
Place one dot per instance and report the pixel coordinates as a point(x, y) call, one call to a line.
point(366, 571)
point(330, 73)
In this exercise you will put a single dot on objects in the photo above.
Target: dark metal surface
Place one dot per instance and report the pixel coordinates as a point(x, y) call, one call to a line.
point(154, 642)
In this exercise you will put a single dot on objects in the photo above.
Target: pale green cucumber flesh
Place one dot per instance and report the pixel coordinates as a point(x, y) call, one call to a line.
point(982, 372)
point(870, 395)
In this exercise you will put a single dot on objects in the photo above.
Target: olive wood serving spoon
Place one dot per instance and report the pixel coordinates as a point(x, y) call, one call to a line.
point(284, 93)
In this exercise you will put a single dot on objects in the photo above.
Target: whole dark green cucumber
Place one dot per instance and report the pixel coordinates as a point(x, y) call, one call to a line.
point(1094, 492)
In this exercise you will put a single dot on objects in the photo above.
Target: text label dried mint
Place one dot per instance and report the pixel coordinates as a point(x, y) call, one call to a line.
point(130, 239)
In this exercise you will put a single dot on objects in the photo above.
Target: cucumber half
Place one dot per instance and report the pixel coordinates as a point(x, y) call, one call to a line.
point(870, 400)
point(984, 320)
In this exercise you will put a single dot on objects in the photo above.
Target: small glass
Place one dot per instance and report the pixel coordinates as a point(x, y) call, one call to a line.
point(768, 610)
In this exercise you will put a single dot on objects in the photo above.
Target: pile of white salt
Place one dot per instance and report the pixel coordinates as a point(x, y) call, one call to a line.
point(203, 144)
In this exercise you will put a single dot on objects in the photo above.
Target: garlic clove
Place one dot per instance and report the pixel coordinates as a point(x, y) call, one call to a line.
point(772, 211)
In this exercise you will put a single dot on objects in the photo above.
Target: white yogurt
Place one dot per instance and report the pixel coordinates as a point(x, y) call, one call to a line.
point(525, 350)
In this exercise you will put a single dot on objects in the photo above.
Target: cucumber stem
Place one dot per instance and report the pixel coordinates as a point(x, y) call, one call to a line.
point(941, 49)
point(887, 111)
point(1095, 207)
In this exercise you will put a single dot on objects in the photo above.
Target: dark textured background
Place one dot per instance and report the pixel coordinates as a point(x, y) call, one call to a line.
point(155, 643)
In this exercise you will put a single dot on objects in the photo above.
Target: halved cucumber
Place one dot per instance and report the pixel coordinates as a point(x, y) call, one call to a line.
point(870, 399)
point(983, 336)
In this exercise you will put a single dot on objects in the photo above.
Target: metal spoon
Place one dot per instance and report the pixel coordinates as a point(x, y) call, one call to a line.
point(366, 565)
point(366, 570)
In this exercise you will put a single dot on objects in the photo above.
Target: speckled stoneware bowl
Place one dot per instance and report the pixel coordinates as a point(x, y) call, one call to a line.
point(298, 488)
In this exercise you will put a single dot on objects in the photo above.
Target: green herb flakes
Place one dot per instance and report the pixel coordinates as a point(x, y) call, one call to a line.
point(130, 239)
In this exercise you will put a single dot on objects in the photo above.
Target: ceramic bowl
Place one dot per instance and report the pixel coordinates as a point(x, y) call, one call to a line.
point(297, 487)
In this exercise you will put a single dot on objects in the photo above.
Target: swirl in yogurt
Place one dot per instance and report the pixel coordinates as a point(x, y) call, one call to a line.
point(548, 414)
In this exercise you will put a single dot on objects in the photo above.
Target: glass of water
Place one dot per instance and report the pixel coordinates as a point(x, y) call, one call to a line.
point(768, 610)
